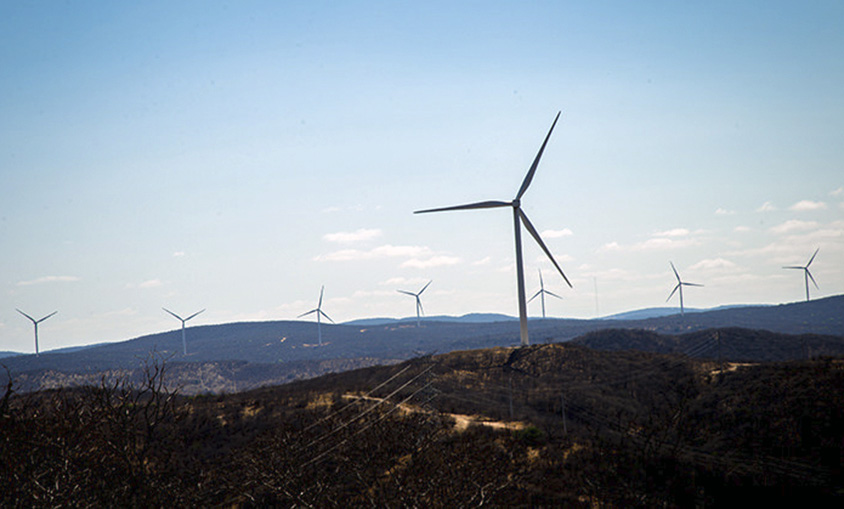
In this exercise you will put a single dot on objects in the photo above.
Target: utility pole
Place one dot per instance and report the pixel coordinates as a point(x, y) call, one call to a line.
point(511, 397)
point(563, 401)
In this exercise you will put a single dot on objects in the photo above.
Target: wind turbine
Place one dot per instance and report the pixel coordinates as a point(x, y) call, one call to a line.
point(519, 219)
point(35, 324)
point(680, 285)
point(806, 274)
point(542, 293)
point(318, 312)
point(183, 320)
point(418, 300)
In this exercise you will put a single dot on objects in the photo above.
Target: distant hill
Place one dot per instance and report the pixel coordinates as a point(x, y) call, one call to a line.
point(9, 354)
point(730, 344)
point(291, 345)
point(470, 318)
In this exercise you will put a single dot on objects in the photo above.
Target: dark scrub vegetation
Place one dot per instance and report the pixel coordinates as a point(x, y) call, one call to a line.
point(640, 429)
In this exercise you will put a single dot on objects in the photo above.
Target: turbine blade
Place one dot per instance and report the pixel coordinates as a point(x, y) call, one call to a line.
point(321, 290)
point(813, 257)
point(174, 314)
point(535, 295)
point(54, 312)
point(689, 284)
point(675, 271)
point(191, 316)
point(532, 170)
point(308, 313)
point(26, 315)
point(673, 292)
point(553, 294)
point(421, 309)
point(813, 279)
point(794, 267)
point(406, 293)
point(541, 283)
point(424, 287)
point(323, 314)
point(469, 206)
point(538, 240)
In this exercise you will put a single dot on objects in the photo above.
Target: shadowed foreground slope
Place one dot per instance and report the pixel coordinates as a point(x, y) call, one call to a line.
point(640, 429)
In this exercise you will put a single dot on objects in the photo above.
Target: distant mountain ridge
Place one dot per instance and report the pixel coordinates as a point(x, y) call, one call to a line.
point(291, 347)
point(468, 318)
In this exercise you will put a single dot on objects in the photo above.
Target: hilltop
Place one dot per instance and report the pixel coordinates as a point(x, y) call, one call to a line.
point(556, 424)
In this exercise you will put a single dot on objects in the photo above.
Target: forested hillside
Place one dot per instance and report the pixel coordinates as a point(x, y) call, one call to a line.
point(557, 424)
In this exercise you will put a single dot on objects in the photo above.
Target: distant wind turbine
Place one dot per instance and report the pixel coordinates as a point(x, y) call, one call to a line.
point(183, 320)
point(319, 312)
point(806, 274)
point(519, 219)
point(542, 293)
point(418, 300)
point(680, 285)
point(35, 324)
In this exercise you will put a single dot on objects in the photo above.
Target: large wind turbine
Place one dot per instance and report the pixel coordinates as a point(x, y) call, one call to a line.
point(806, 274)
point(183, 320)
point(319, 312)
point(680, 285)
point(519, 219)
point(418, 300)
point(542, 293)
point(35, 324)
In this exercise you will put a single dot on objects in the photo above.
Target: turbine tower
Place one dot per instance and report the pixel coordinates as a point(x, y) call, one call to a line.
point(418, 300)
point(542, 293)
point(35, 324)
point(319, 312)
point(806, 274)
point(680, 285)
point(519, 219)
point(183, 320)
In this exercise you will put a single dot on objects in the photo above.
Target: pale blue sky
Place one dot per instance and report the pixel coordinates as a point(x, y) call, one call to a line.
point(236, 156)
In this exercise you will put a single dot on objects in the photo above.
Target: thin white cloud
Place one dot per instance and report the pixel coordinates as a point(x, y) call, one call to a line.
point(359, 235)
point(610, 246)
point(806, 205)
point(49, 279)
point(385, 251)
point(482, 261)
point(397, 281)
point(741, 229)
point(434, 261)
point(793, 225)
point(837, 192)
point(178, 254)
point(714, 264)
point(675, 232)
point(152, 283)
point(766, 207)
point(724, 212)
point(555, 234)
point(664, 243)
point(661, 241)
